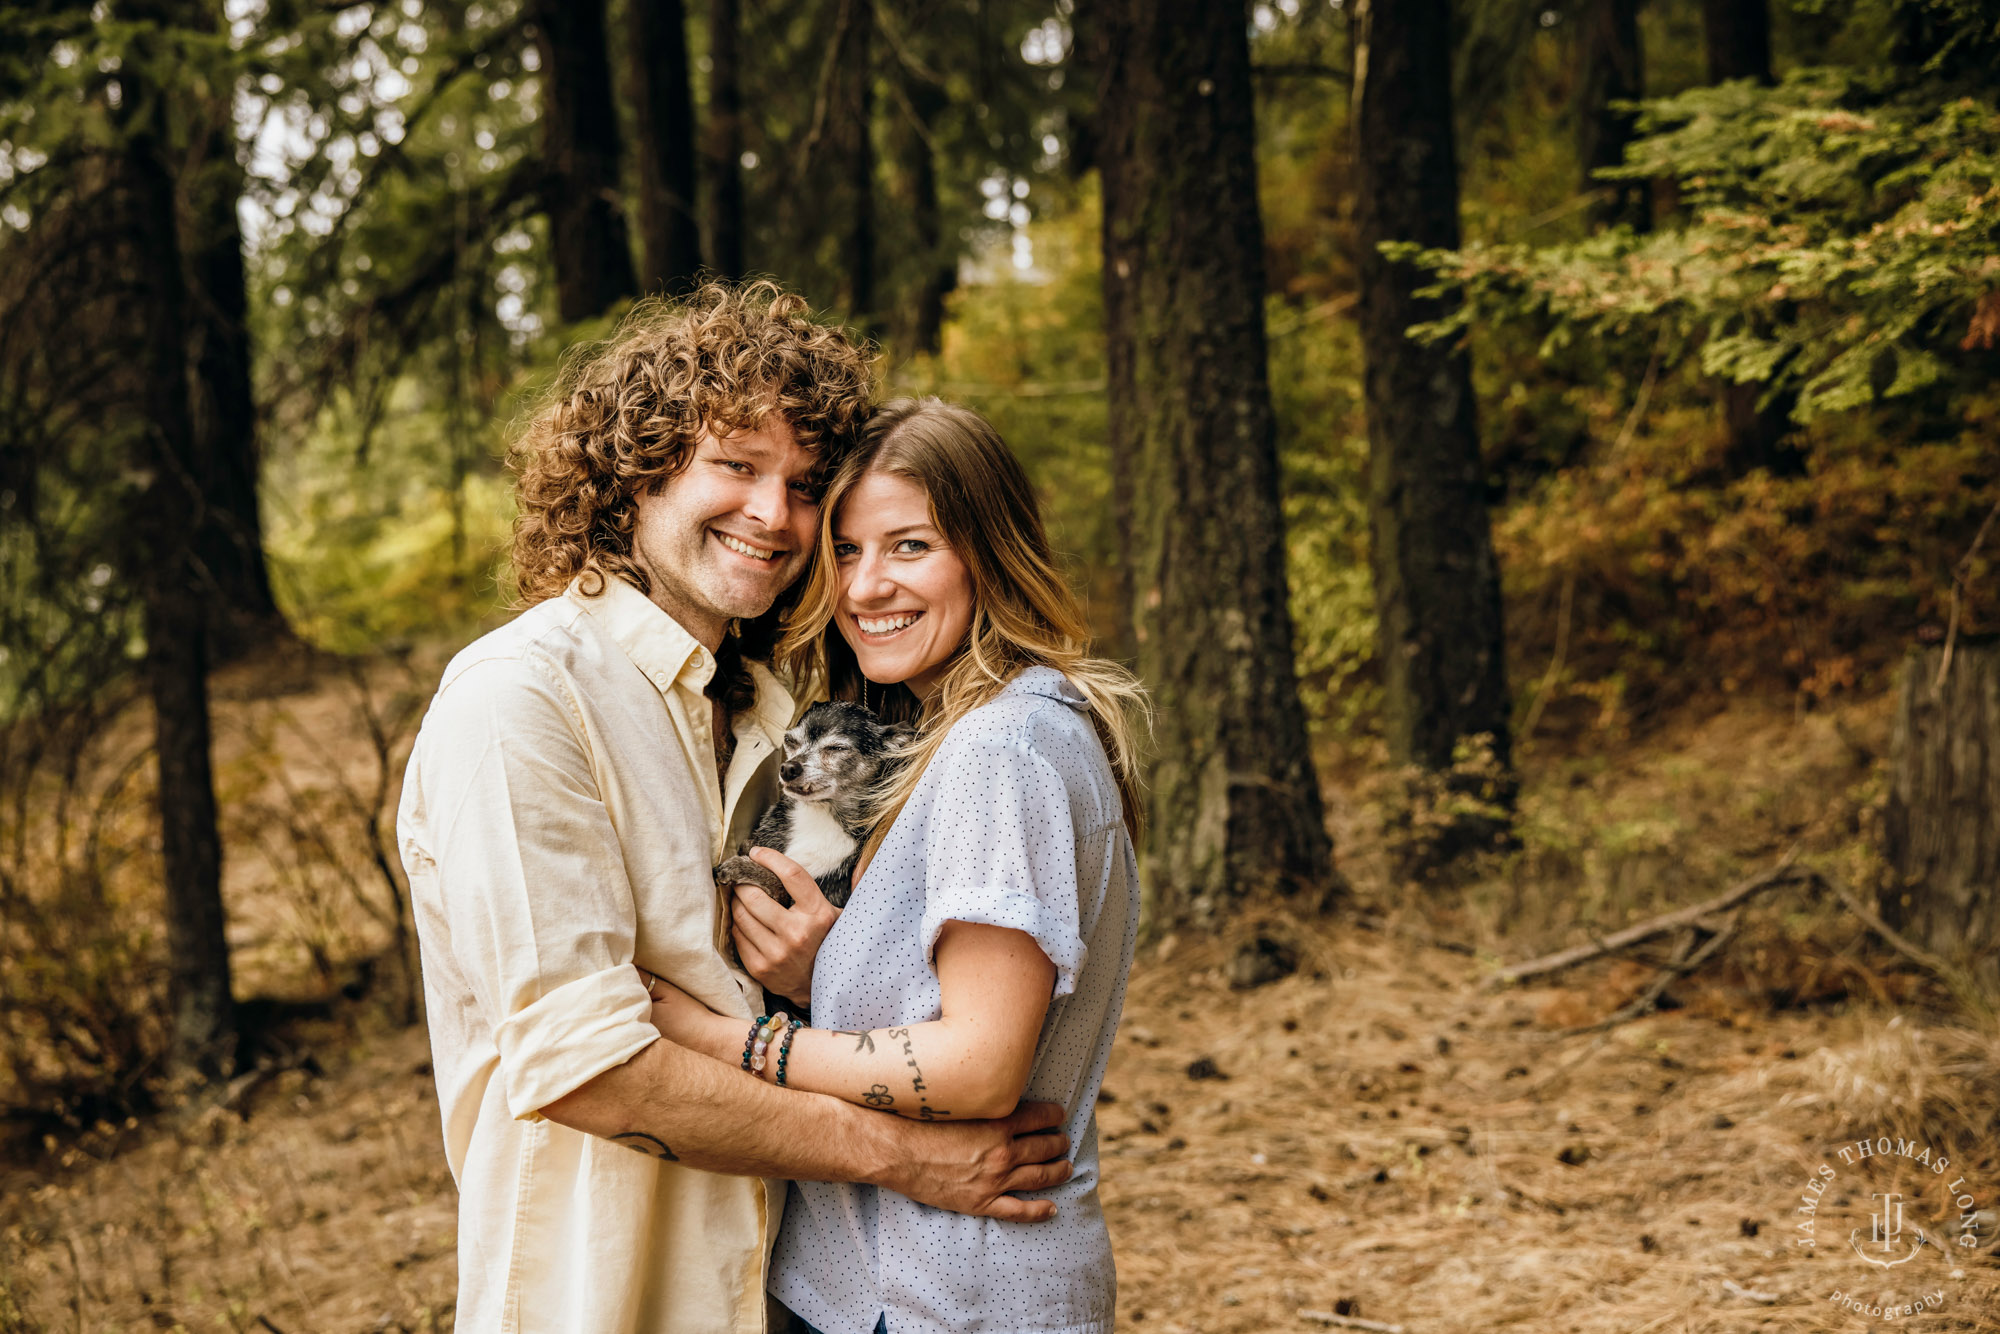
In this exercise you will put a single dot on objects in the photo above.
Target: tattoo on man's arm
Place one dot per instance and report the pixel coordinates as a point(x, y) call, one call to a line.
point(862, 1041)
point(650, 1145)
point(878, 1095)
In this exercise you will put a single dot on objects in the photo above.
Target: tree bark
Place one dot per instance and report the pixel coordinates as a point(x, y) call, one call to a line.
point(1736, 37)
point(588, 246)
point(724, 140)
point(1609, 69)
point(1942, 825)
point(669, 228)
point(162, 559)
point(1235, 805)
point(230, 540)
point(854, 109)
point(937, 273)
point(1437, 584)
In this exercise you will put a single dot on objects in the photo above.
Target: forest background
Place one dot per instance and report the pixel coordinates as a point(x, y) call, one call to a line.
point(1450, 408)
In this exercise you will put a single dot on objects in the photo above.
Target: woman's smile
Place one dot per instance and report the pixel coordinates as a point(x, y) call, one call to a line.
point(881, 629)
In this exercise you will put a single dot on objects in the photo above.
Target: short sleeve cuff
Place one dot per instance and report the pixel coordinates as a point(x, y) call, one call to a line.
point(1016, 911)
point(571, 1036)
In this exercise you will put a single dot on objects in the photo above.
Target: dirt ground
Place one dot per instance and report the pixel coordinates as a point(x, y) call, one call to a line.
point(1373, 1140)
point(1383, 1142)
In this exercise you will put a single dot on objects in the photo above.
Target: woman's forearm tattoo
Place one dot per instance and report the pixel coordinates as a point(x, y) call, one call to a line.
point(925, 1111)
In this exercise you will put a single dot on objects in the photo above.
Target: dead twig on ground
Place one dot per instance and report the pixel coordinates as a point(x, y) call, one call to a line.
point(1369, 922)
point(1784, 873)
point(1735, 1289)
point(1692, 919)
point(1685, 960)
point(1956, 979)
point(1348, 1321)
point(1679, 966)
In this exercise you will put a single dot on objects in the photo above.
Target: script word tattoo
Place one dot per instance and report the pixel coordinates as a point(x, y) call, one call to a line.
point(650, 1145)
point(925, 1112)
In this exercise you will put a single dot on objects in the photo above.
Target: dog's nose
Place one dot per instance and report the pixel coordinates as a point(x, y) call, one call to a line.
point(790, 771)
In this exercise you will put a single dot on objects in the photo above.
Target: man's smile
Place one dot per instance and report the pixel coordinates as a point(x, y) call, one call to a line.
point(762, 555)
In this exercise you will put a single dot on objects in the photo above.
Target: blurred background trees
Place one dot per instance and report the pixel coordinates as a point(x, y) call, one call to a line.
point(1702, 405)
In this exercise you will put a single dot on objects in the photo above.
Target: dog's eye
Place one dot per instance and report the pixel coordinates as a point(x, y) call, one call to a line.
point(834, 748)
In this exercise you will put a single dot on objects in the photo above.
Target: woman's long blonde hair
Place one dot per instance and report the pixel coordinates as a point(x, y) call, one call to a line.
point(1024, 613)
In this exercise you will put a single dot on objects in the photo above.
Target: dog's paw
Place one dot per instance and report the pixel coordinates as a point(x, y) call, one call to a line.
point(746, 871)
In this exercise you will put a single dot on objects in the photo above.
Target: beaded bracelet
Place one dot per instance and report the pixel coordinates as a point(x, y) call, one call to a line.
point(785, 1048)
point(762, 1032)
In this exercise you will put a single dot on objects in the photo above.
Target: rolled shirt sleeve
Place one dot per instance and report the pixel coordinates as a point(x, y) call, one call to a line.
point(1002, 850)
point(541, 911)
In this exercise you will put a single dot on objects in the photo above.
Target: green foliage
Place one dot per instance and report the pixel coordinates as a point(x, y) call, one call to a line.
point(1842, 246)
point(1835, 243)
point(409, 542)
point(1323, 446)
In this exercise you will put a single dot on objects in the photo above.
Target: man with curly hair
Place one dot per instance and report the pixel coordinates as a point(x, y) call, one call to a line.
point(580, 771)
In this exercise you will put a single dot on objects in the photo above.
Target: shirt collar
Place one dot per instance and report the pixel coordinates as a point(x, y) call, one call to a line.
point(662, 648)
point(657, 644)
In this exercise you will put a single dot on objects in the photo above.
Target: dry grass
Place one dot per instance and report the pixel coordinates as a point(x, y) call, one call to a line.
point(1369, 1152)
point(330, 1208)
point(1373, 1135)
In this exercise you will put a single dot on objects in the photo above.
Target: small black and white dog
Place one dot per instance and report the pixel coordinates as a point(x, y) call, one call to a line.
point(834, 758)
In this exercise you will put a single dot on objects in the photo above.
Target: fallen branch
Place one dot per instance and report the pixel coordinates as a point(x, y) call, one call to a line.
point(1735, 1289)
point(1895, 939)
point(1679, 966)
point(1348, 1321)
point(1784, 873)
point(1960, 983)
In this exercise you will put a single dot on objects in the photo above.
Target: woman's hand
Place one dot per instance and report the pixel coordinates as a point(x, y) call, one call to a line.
point(685, 1021)
point(778, 944)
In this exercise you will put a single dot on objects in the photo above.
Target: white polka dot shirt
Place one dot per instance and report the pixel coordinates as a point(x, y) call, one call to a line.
point(1016, 823)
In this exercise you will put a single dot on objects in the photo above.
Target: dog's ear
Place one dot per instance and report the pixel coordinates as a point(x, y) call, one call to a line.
point(897, 735)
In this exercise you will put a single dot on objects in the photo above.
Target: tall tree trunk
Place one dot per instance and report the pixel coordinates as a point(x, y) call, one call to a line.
point(1235, 805)
point(1736, 37)
point(588, 246)
point(1437, 584)
point(937, 272)
point(163, 562)
point(669, 230)
point(855, 112)
point(1942, 824)
point(1609, 69)
point(724, 140)
point(230, 540)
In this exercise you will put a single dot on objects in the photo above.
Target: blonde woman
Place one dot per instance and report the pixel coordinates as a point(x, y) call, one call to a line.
point(983, 956)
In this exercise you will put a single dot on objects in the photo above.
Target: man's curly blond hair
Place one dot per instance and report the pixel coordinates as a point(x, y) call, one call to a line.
point(625, 414)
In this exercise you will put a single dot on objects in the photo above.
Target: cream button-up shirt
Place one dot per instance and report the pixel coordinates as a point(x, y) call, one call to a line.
point(560, 818)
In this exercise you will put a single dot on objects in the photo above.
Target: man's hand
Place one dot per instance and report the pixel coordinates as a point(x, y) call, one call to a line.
point(778, 944)
point(971, 1167)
